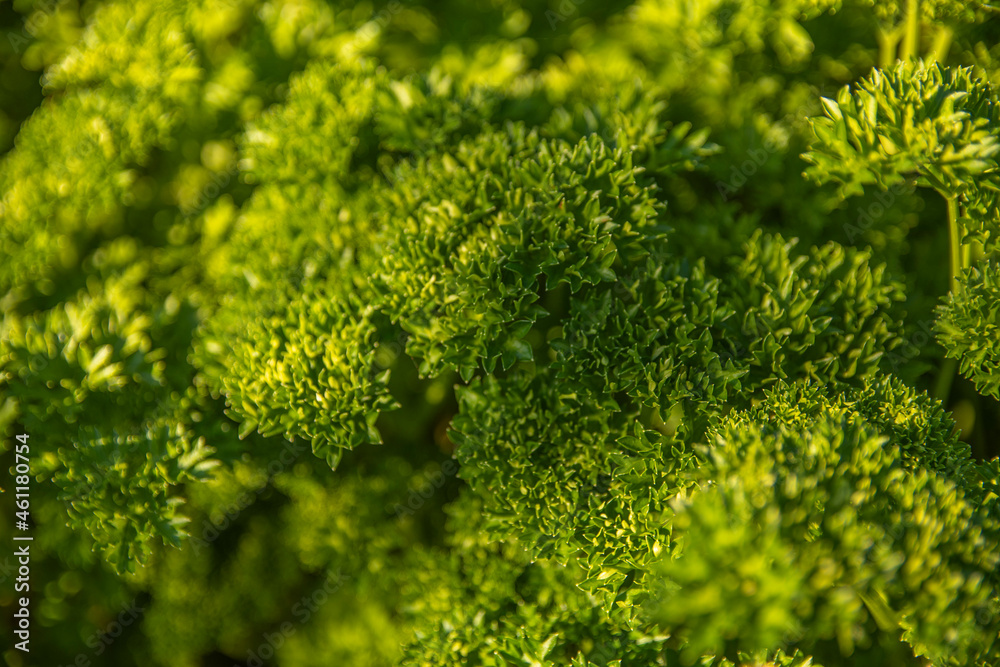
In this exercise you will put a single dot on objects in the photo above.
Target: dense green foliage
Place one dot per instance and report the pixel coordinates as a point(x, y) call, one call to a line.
point(537, 333)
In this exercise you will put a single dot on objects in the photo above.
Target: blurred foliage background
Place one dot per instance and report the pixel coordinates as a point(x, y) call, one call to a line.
point(121, 240)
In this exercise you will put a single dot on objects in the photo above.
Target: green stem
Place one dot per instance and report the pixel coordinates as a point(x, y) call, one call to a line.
point(942, 42)
point(888, 40)
point(942, 387)
point(912, 34)
point(955, 244)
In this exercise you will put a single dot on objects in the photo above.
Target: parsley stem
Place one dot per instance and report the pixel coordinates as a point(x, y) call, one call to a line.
point(942, 387)
point(912, 35)
point(942, 42)
point(955, 245)
point(888, 40)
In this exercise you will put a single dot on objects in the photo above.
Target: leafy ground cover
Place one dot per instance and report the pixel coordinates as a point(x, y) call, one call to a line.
point(533, 333)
